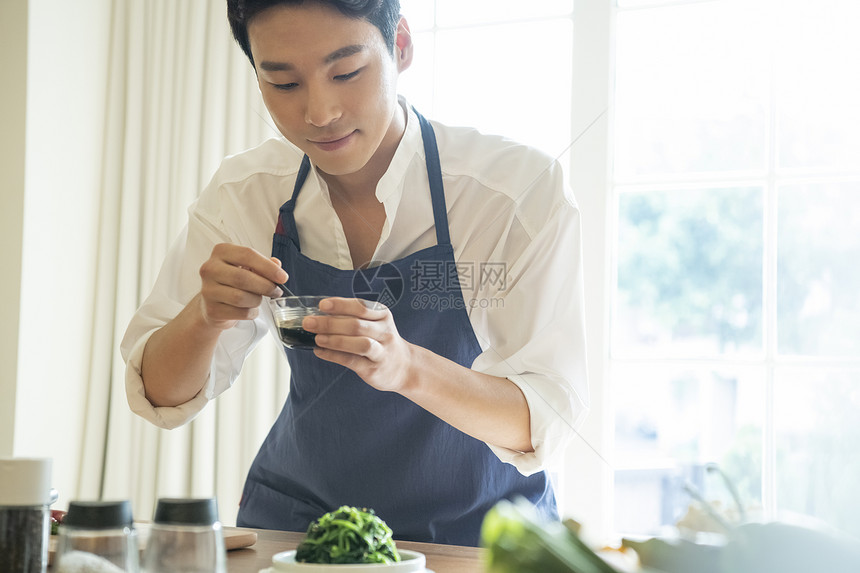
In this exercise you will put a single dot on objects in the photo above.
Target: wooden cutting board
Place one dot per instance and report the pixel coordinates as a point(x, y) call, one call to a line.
point(234, 538)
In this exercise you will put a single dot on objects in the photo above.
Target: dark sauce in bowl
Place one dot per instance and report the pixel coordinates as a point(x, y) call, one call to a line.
point(296, 337)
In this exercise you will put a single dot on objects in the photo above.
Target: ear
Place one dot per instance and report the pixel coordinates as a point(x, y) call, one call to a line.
point(403, 45)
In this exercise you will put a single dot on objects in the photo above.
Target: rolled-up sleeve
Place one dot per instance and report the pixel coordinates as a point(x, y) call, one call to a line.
point(177, 283)
point(535, 330)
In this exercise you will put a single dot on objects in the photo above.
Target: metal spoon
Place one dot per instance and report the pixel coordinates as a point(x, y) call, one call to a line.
point(285, 289)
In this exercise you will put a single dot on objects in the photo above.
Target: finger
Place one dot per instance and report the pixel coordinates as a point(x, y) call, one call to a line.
point(219, 312)
point(354, 362)
point(218, 273)
point(358, 307)
point(227, 294)
point(248, 258)
point(226, 258)
point(364, 347)
point(345, 326)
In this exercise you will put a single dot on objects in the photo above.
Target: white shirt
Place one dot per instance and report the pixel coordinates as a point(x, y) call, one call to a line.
point(510, 215)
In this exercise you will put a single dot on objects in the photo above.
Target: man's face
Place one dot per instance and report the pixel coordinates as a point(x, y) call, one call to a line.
point(330, 84)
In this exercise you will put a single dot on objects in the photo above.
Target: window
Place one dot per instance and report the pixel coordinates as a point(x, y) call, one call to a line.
point(504, 67)
point(487, 64)
point(735, 323)
point(719, 195)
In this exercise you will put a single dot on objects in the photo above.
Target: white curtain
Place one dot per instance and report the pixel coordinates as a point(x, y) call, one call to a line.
point(181, 96)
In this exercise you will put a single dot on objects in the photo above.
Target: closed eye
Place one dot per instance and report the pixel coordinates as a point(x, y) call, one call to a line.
point(349, 76)
point(285, 87)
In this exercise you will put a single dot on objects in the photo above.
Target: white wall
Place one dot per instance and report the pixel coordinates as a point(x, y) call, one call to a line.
point(13, 96)
point(66, 63)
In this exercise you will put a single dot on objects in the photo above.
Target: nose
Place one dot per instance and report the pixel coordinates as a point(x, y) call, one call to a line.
point(322, 107)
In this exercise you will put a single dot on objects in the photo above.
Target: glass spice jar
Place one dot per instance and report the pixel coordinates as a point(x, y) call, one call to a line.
point(185, 537)
point(98, 536)
point(25, 498)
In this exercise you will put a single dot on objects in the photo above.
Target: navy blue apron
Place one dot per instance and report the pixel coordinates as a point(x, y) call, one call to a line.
point(338, 441)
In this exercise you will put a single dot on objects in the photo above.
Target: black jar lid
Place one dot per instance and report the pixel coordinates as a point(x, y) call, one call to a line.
point(99, 514)
point(193, 511)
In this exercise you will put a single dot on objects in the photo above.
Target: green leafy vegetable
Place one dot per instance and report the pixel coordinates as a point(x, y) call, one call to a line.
point(677, 555)
point(348, 535)
point(517, 541)
point(57, 517)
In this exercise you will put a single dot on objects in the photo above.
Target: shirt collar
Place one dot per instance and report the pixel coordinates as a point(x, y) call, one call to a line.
point(410, 145)
point(389, 188)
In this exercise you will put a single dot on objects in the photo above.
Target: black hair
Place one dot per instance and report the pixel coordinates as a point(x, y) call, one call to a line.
point(384, 14)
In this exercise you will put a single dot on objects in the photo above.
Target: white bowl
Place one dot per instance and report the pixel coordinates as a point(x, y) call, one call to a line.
point(410, 562)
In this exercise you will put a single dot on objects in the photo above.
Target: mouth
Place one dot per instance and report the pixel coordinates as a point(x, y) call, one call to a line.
point(333, 144)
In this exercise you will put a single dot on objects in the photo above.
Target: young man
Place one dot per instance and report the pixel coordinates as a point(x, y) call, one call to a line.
point(428, 409)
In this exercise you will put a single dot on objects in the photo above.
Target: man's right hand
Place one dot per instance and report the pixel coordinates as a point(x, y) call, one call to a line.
point(178, 356)
point(235, 280)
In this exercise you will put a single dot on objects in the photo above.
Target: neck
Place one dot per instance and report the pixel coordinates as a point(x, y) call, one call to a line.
point(364, 181)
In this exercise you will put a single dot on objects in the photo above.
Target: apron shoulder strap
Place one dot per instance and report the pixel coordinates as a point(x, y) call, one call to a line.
point(286, 215)
point(434, 173)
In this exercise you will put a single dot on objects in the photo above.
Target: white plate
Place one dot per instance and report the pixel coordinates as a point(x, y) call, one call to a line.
point(270, 570)
point(410, 562)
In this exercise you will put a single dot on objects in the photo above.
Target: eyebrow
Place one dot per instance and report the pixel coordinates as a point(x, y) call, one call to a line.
point(338, 54)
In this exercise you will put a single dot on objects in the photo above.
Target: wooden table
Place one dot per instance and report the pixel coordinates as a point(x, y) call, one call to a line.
point(440, 558)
